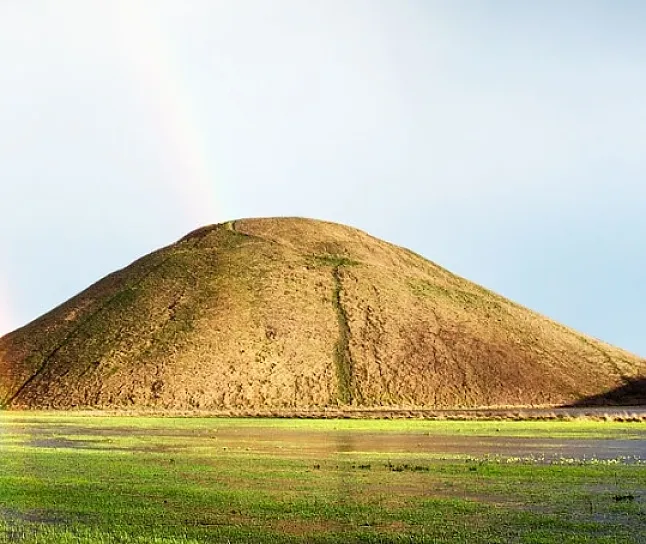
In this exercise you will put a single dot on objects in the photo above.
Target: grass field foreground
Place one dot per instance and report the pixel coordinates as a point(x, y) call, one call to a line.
point(67, 478)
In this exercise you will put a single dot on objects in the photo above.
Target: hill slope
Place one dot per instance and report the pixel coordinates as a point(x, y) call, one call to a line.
point(296, 313)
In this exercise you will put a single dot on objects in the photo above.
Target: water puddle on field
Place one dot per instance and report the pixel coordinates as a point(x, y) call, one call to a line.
point(12, 515)
point(300, 443)
point(19, 525)
point(306, 443)
point(62, 443)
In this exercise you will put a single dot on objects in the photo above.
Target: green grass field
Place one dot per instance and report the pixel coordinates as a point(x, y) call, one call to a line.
point(67, 478)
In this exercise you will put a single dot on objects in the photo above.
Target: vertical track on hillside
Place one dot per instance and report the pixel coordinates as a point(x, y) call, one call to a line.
point(342, 355)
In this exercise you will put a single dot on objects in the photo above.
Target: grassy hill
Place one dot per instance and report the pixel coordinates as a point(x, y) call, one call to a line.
point(297, 314)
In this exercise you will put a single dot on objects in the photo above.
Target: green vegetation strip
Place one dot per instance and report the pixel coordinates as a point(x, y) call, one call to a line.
point(342, 354)
point(66, 478)
point(575, 428)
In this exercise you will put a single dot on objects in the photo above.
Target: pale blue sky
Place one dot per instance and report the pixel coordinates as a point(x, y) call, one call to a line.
point(504, 140)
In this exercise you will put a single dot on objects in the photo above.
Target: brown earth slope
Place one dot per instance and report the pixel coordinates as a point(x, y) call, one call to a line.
point(297, 314)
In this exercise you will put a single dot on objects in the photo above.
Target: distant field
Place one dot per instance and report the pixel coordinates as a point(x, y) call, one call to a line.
point(66, 478)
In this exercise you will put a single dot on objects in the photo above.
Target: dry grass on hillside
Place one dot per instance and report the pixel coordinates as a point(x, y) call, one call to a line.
point(298, 314)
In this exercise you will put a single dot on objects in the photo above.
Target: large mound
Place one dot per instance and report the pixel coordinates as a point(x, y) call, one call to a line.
point(297, 314)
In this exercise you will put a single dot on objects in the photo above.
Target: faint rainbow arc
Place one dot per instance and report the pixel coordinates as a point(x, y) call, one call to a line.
point(152, 59)
point(151, 55)
point(7, 318)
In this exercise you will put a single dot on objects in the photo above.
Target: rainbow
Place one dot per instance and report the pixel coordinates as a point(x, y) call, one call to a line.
point(156, 74)
point(7, 319)
point(156, 71)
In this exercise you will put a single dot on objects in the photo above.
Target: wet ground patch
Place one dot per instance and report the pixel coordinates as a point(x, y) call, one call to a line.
point(215, 480)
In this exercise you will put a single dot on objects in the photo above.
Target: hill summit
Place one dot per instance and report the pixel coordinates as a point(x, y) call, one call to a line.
point(264, 314)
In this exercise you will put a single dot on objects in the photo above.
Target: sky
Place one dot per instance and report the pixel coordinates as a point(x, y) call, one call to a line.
point(504, 140)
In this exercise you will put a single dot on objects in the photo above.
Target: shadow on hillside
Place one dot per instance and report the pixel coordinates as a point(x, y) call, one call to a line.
point(632, 393)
